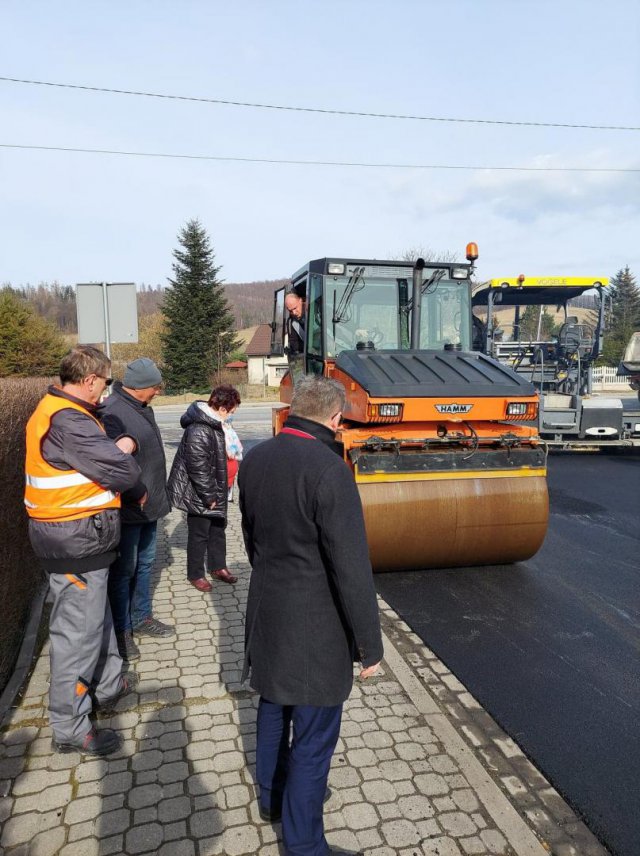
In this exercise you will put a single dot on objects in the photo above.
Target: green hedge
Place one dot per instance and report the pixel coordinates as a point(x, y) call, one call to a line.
point(20, 572)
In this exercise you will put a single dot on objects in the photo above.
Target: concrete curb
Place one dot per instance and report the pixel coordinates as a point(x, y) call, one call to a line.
point(506, 818)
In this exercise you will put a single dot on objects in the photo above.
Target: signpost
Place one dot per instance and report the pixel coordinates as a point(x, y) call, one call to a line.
point(107, 312)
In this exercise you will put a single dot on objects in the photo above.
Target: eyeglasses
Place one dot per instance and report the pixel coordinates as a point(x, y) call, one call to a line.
point(107, 380)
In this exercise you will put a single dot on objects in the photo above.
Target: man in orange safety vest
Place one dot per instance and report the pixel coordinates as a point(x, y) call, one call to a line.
point(74, 475)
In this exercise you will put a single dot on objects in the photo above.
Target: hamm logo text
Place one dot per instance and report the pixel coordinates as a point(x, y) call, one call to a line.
point(453, 408)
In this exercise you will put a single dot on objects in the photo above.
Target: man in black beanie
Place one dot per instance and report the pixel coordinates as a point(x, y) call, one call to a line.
point(127, 411)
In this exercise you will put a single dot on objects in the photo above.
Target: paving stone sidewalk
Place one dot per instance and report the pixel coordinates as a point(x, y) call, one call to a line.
point(420, 768)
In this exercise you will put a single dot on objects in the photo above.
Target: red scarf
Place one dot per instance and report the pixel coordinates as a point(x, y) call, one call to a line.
point(298, 433)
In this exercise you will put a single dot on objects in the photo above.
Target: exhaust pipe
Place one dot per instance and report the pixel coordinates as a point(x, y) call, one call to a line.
point(416, 304)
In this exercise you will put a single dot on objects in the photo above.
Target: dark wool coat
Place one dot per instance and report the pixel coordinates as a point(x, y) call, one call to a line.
point(121, 413)
point(312, 608)
point(199, 472)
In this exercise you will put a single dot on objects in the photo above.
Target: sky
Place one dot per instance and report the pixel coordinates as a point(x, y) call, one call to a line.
point(77, 217)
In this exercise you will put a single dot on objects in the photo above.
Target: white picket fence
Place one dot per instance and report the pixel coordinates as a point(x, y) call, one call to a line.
point(606, 377)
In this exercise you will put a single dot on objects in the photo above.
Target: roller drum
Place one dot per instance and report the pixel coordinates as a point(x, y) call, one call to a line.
point(454, 522)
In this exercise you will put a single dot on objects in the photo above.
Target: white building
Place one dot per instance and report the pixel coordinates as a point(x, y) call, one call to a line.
point(263, 368)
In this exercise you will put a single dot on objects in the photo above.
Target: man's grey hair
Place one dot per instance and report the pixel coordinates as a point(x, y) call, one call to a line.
point(82, 361)
point(318, 398)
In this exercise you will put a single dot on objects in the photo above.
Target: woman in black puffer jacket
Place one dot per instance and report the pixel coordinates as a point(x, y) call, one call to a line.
point(198, 485)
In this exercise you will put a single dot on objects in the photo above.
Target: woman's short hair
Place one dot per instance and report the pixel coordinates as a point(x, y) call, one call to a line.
point(318, 398)
point(82, 361)
point(225, 395)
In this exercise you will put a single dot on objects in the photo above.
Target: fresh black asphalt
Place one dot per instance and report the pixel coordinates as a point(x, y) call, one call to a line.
point(550, 647)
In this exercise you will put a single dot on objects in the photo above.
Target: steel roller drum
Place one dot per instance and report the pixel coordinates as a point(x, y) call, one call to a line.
point(454, 522)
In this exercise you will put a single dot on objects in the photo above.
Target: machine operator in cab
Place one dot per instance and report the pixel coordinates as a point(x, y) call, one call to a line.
point(295, 306)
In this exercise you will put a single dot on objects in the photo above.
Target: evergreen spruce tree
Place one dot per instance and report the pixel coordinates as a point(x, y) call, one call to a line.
point(624, 318)
point(199, 325)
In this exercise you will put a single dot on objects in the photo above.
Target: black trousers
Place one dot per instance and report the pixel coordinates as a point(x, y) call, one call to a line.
point(206, 541)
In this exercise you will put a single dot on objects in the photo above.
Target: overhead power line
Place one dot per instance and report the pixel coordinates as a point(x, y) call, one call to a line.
point(326, 111)
point(292, 162)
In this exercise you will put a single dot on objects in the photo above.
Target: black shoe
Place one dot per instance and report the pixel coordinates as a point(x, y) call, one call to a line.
point(94, 742)
point(127, 647)
point(152, 627)
point(274, 816)
point(269, 816)
point(128, 682)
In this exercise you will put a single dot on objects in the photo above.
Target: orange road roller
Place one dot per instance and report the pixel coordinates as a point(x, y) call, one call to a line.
point(442, 440)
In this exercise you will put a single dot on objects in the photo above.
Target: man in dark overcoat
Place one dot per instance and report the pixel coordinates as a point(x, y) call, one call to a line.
point(311, 610)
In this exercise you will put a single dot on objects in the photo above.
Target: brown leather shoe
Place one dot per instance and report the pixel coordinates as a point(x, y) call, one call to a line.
point(224, 576)
point(201, 584)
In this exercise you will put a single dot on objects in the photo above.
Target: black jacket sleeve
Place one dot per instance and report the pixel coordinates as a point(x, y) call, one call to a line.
point(113, 424)
point(87, 449)
point(115, 428)
point(341, 525)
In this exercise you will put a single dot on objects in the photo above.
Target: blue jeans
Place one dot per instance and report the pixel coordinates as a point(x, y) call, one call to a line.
point(292, 776)
point(130, 575)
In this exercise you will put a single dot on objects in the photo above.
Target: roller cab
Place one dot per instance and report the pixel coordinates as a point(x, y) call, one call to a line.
point(441, 440)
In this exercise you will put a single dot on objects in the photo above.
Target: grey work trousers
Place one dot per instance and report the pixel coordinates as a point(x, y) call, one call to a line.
point(83, 651)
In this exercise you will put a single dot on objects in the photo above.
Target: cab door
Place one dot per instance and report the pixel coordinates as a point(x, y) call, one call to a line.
point(314, 345)
point(277, 324)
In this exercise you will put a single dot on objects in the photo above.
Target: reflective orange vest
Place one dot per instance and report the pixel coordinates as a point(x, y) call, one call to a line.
point(54, 494)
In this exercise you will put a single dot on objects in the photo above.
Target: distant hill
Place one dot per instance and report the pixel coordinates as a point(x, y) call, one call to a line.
point(252, 302)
